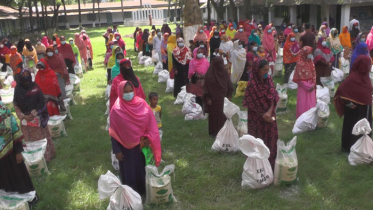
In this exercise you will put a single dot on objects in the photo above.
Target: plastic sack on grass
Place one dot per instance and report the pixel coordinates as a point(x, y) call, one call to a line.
point(33, 154)
point(345, 65)
point(75, 80)
point(242, 123)
point(163, 76)
point(78, 70)
point(8, 81)
point(69, 93)
point(140, 55)
point(323, 113)
point(257, 171)
point(329, 83)
point(292, 85)
point(121, 196)
point(286, 165)
point(180, 97)
point(282, 92)
point(227, 138)
point(107, 112)
point(148, 62)
point(322, 93)
point(67, 113)
point(155, 57)
point(371, 76)
point(143, 59)
point(241, 88)
point(158, 185)
point(337, 75)
point(7, 98)
point(170, 86)
point(306, 122)
point(56, 126)
point(278, 67)
point(114, 161)
point(362, 151)
point(107, 92)
point(108, 123)
point(15, 201)
point(191, 109)
point(158, 68)
point(189, 99)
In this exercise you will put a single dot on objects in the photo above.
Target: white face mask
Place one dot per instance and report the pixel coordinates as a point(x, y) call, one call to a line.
point(38, 42)
point(323, 43)
point(117, 37)
point(239, 46)
point(324, 30)
point(357, 27)
point(289, 27)
point(292, 39)
point(199, 55)
point(128, 96)
point(1, 46)
point(201, 31)
point(63, 42)
point(260, 29)
point(255, 49)
point(216, 37)
point(255, 34)
point(240, 30)
point(71, 42)
point(231, 28)
point(159, 34)
point(50, 54)
point(181, 44)
point(202, 46)
point(310, 56)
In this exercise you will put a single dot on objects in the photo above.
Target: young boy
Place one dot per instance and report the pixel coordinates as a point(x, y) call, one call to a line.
point(261, 53)
point(157, 110)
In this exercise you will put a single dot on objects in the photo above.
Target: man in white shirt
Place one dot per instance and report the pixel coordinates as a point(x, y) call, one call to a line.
point(157, 41)
point(352, 22)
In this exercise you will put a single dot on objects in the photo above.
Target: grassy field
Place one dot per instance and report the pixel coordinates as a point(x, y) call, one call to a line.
point(204, 179)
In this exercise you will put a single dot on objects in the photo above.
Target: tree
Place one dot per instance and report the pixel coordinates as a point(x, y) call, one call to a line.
point(80, 15)
point(37, 15)
point(175, 11)
point(93, 14)
point(219, 8)
point(121, 2)
point(209, 11)
point(168, 10)
point(30, 16)
point(20, 6)
point(233, 9)
point(98, 11)
point(192, 16)
point(64, 10)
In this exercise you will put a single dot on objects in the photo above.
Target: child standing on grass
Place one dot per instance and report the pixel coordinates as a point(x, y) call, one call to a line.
point(157, 110)
point(261, 53)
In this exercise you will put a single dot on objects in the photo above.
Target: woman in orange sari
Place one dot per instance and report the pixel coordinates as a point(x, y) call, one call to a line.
point(15, 62)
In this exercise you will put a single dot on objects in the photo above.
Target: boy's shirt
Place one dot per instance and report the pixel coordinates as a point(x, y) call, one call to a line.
point(157, 113)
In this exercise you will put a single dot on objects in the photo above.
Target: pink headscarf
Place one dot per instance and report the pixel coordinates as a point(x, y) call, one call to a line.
point(131, 120)
point(370, 40)
point(288, 30)
point(207, 32)
point(268, 42)
point(200, 36)
point(44, 40)
point(120, 43)
point(196, 65)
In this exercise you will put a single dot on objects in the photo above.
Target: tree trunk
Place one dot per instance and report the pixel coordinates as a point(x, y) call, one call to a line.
point(219, 8)
point(208, 11)
point(168, 11)
point(193, 20)
point(181, 2)
point(121, 2)
point(80, 15)
point(140, 3)
point(20, 6)
point(93, 14)
point(175, 13)
point(67, 25)
point(248, 9)
point(98, 12)
point(233, 10)
point(30, 16)
point(37, 15)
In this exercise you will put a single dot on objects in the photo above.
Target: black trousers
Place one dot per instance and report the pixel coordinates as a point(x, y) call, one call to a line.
point(70, 67)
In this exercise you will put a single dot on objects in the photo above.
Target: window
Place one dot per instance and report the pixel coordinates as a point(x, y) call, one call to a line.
point(281, 12)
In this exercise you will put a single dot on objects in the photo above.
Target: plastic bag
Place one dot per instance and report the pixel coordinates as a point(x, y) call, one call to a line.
point(155, 57)
point(323, 113)
point(282, 92)
point(371, 76)
point(189, 100)
point(56, 126)
point(180, 97)
point(140, 55)
point(121, 196)
point(278, 67)
point(149, 156)
point(329, 83)
point(158, 68)
point(114, 161)
point(280, 51)
point(67, 112)
point(322, 93)
point(170, 86)
point(242, 123)
point(306, 122)
point(257, 171)
point(78, 70)
point(33, 154)
point(9, 80)
point(362, 151)
point(143, 59)
point(107, 92)
point(241, 88)
point(337, 75)
point(163, 76)
point(158, 185)
point(75, 80)
point(69, 93)
point(148, 62)
point(227, 138)
point(107, 112)
point(15, 201)
point(292, 85)
point(7, 95)
point(286, 165)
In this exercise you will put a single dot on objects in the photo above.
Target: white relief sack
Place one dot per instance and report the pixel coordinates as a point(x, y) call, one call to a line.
point(362, 151)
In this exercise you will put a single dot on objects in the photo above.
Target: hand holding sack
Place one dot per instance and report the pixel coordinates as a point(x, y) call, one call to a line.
point(286, 165)
point(362, 151)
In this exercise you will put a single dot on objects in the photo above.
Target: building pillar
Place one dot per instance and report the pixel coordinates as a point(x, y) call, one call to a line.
point(313, 15)
point(271, 15)
point(345, 15)
point(293, 14)
point(226, 13)
point(238, 13)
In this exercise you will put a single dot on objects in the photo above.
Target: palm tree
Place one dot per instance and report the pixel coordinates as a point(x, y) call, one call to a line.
point(192, 16)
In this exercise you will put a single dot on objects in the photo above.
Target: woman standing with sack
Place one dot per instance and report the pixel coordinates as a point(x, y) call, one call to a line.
point(291, 55)
point(261, 100)
point(57, 64)
point(132, 126)
point(181, 59)
point(237, 57)
point(353, 100)
point(323, 59)
point(335, 45)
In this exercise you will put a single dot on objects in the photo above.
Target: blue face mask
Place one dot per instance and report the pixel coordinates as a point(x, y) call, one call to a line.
point(296, 30)
point(292, 39)
point(265, 76)
point(199, 55)
point(201, 31)
point(181, 44)
point(56, 51)
point(240, 30)
point(270, 31)
point(362, 40)
point(240, 46)
point(112, 46)
point(63, 42)
point(128, 96)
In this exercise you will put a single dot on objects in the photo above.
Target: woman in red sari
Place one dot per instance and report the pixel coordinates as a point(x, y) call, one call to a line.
point(57, 64)
point(260, 100)
point(48, 83)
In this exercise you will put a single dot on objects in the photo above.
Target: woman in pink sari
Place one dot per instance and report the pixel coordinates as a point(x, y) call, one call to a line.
point(268, 42)
point(82, 49)
point(305, 77)
point(139, 41)
point(132, 127)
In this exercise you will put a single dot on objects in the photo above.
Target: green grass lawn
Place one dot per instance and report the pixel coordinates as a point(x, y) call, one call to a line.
point(204, 179)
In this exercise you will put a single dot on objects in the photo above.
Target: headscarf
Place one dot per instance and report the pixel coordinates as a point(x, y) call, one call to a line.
point(334, 43)
point(29, 50)
point(321, 32)
point(66, 51)
point(268, 41)
point(357, 87)
point(88, 43)
point(288, 30)
point(230, 33)
point(200, 36)
point(357, 40)
point(6, 43)
point(145, 35)
point(110, 38)
point(182, 55)
point(111, 61)
point(171, 44)
point(260, 32)
point(241, 35)
point(354, 31)
point(260, 95)
point(370, 40)
point(291, 50)
point(217, 75)
point(75, 50)
point(327, 29)
point(305, 69)
point(237, 57)
point(40, 48)
point(115, 70)
point(108, 31)
point(129, 74)
point(215, 42)
point(15, 60)
point(58, 41)
point(151, 36)
point(4, 51)
point(81, 46)
point(207, 32)
point(322, 53)
point(227, 45)
point(198, 65)
point(222, 30)
point(20, 45)
point(135, 33)
point(254, 38)
point(361, 49)
point(212, 31)
point(120, 43)
point(131, 120)
point(344, 37)
point(47, 80)
point(57, 63)
point(165, 29)
point(254, 23)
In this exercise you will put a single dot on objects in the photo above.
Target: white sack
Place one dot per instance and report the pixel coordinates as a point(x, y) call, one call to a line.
point(180, 97)
point(148, 62)
point(56, 126)
point(33, 155)
point(286, 165)
point(242, 123)
point(75, 80)
point(337, 75)
point(306, 122)
point(362, 151)
point(155, 57)
point(329, 83)
point(322, 93)
point(158, 185)
point(139, 55)
point(292, 85)
point(143, 59)
point(114, 161)
point(170, 86)
point(15, 201)
point(158, 68)
point(282, 92)
point(107, 92)
point(163, 76)
point(323, 113)
point(107, 112)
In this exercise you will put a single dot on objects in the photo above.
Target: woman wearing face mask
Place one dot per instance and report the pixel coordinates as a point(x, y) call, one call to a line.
point(237, 57)
point(353, 100)
point(214, 45)
point(20, 45)
point(297, 34)
point(260, 31)
point(241, 35)
point(254, 37)
point(305, 77)
point(30, 106)
point(139, 41)
point(6, 43)
point(150, 40)
point(217, 86)
point(15, 62)
point(82, 49)
point(68, 55)
point(261, 100)
point(57, 64)
point(361, 49)
point(362, 37)
point(197, 69)
point(115, 70)
point(222, 30)
point(120, 43)
point(327, 29)
point(181, 58)
point(269, 43)
point(323, 59)
point(251, 56)
point(207, 32)
point(164, 52)
point(30, 54)
point(291, 56)
point(370, 40)
point(202, 38)
point(112, 61)
point(213, 30)
point(231, 31)
point(109, 52)
point(4, 56)
point(171, 44)
point(355, 31)
point(225, 48)
point(40, 49)
point(288, 30)
point(334, 44)
point(45, 41)
point(89, 50)
point(75, 50)
point(322, 32)
point(344, 38)
point(145, 46)
point(135, 39)
point(126, 73)
point(133, 126)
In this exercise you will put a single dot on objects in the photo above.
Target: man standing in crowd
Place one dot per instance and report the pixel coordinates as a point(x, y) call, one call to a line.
point(307, 38)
